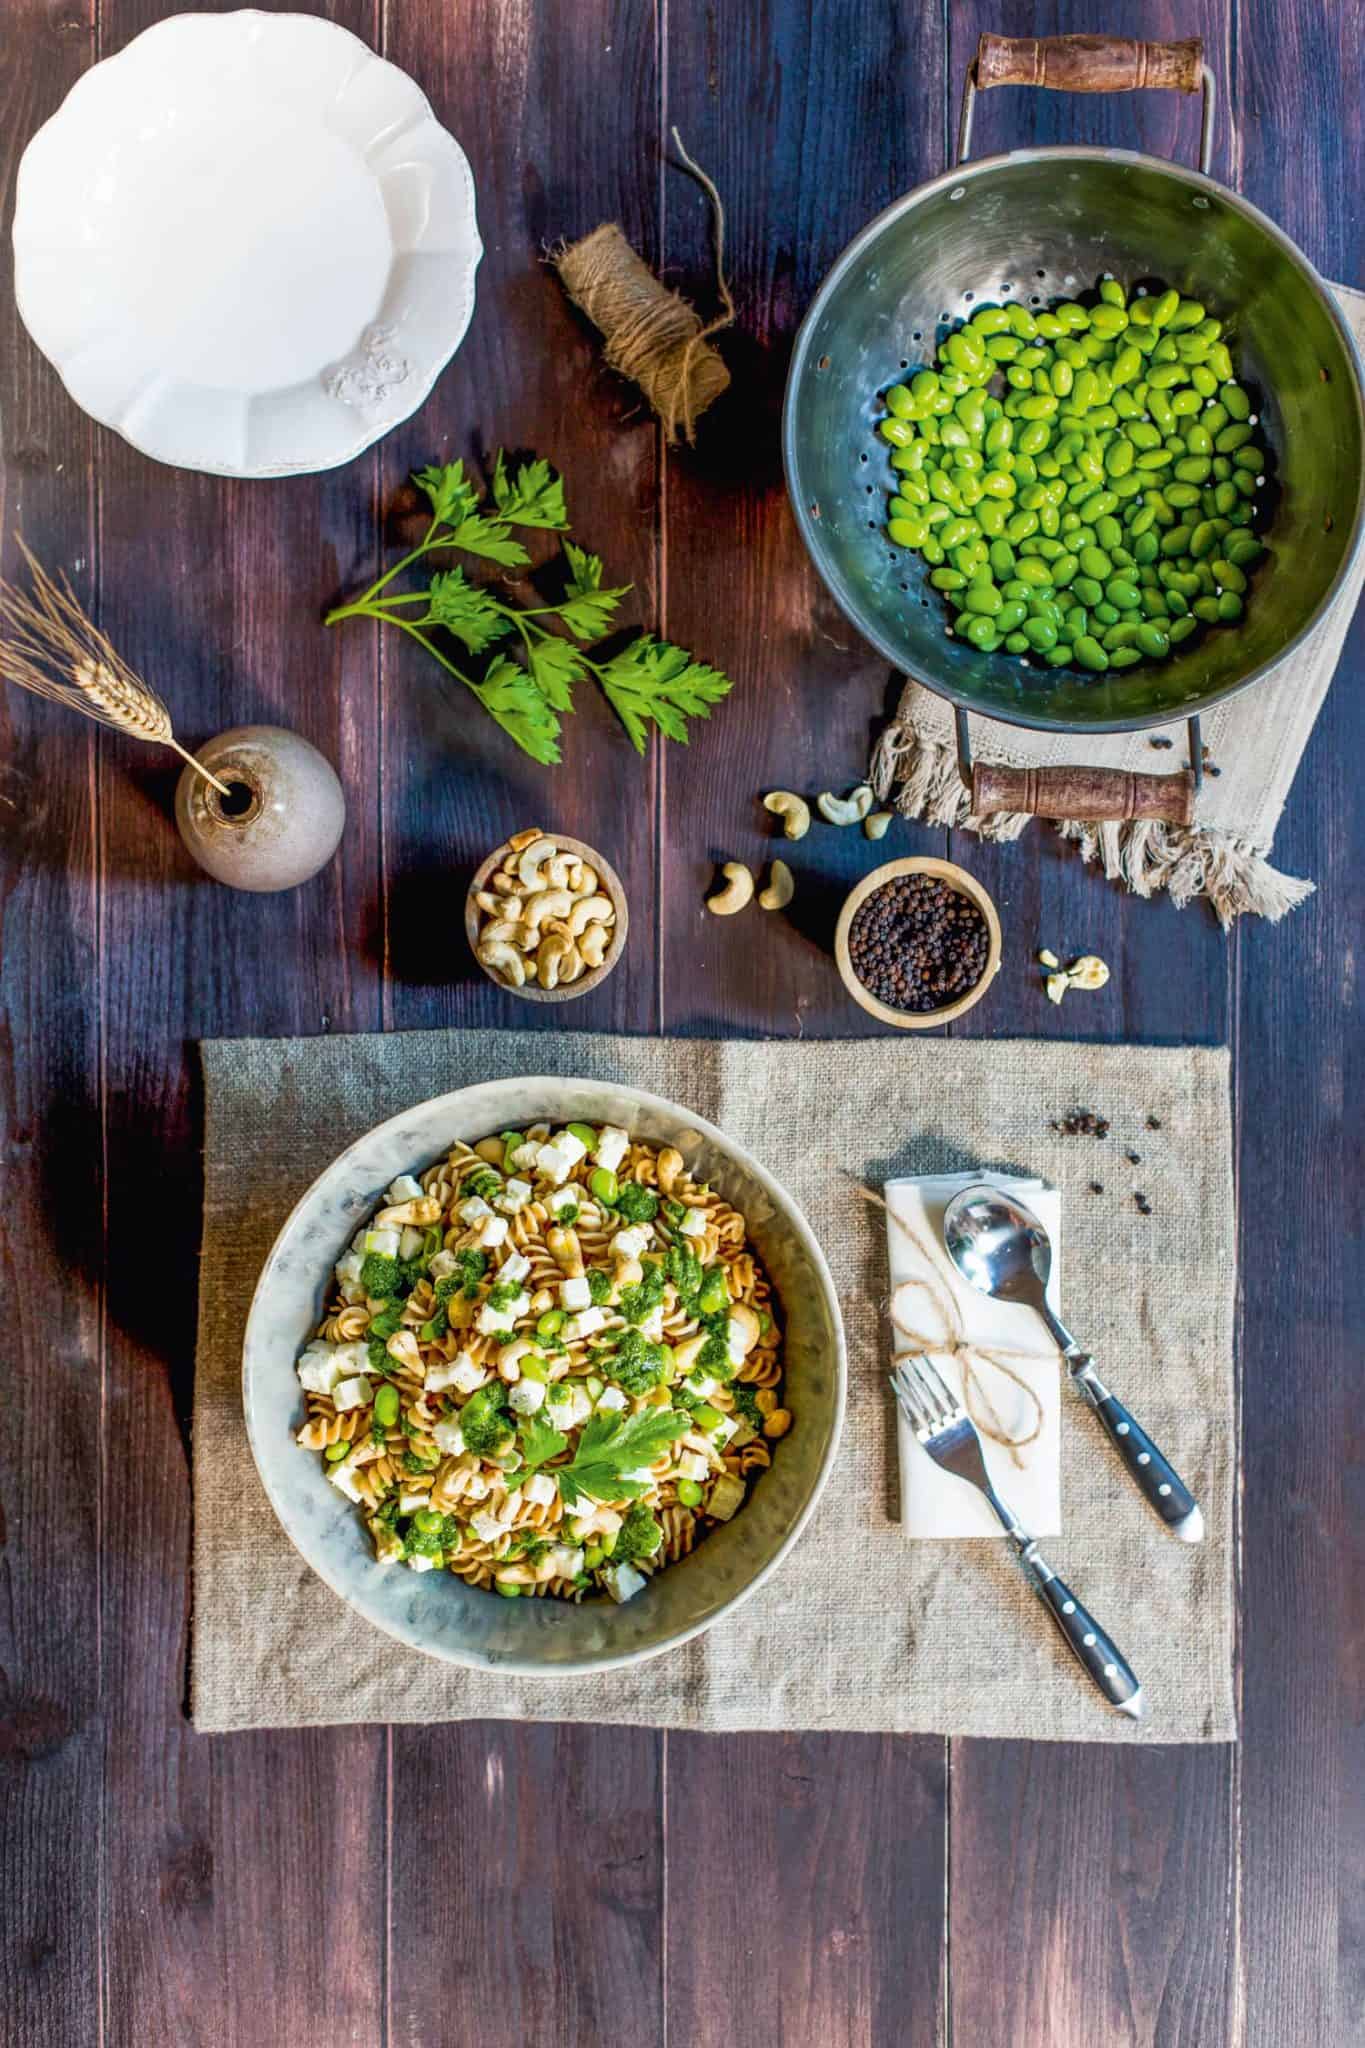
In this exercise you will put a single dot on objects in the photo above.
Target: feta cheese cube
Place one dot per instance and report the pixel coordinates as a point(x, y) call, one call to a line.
point(459, 1372)
point(486, 1526)
point(408, 1503)
point(348, 1268)
point(443, 1265)
point(473, 1210)
point(565, 1560)
point(405, 1189)
point(449, 1437)
point(350, 1393)
point(632, 1241)
point(737, 1341)
point(612, 1145)
point(492, 1231)
point(693, 1224)
point(553, 1165)
point(724, 1430)
point(622, 1581)
point(652, 1328)
point(702, 1384)
point(526, 1153)
point(319, 1368)
point(586, 1323)
point(384, 1241)
point(476, 1487)
point(514, 1267)
point(613, 1397)
point(570, 1147)
point(410, 1243)
point(567, 1404)
point(353, 1358)
point(514, 1196)
point(575, 1293)
point(564, 1199)
point(418, 1563)
point(495, 1322)
point(344, 1480)
point(526, 1396)
point(692, 1465)
point(539, 1490)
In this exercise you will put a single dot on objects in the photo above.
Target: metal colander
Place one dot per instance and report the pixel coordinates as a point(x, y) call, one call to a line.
point(1031, 227)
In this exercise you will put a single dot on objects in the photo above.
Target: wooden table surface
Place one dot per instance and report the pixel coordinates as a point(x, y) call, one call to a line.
point(535, 1887)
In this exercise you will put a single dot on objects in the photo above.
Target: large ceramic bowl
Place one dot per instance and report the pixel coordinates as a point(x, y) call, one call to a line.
point(440, 1614)
point(246, 243)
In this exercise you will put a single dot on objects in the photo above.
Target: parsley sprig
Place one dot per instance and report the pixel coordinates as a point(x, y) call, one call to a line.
point(613, 1449)
point(648, 682)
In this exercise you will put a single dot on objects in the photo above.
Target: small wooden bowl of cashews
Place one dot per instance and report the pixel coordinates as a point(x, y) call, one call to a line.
point(546, 916)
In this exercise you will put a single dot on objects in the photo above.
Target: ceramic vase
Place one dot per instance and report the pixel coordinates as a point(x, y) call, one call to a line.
point(283, 820)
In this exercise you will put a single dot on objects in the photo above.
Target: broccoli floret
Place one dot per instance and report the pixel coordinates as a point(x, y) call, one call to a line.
point(504, 1294)
point(379, 1275)
point(684, 1270)
point(378, 1356)
point(746, 1404)
point(639, 1535)
point(639, 1302)
point(484, 1424)
point(599, 1285)
point(713, 1295)
point(470, 1267)
point(637, 1365)
point(410, 1271)
point(673, 1214)
point(714, 1356)
point(637, 1204)
point(433, 1541)
point(386, 1322)
point(483, 1182)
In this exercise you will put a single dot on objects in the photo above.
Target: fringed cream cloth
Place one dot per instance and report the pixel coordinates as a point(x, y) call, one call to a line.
point(1254, 743)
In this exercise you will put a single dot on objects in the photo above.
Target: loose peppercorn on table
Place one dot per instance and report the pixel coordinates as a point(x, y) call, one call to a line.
point(528, 1887)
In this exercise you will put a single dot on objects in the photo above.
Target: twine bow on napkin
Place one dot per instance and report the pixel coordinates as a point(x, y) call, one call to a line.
point(950, 1340)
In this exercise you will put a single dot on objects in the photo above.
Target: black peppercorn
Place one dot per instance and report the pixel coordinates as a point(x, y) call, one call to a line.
point(918, 944)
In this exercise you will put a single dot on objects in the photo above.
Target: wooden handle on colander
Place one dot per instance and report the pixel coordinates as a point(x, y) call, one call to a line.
point(1089, 64)
point(1098, 795)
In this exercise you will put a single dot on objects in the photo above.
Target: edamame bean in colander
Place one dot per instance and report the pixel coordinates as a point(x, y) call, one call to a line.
point(1099, 509)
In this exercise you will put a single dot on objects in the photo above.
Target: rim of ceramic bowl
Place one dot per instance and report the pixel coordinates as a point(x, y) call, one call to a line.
point(447, 1105)
point(531, 992)
point(966, 885)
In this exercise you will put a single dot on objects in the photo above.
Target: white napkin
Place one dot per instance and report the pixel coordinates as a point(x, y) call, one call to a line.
point(933, 1503)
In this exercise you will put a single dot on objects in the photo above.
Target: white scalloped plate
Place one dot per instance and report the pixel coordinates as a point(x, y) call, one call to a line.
point(246, 243)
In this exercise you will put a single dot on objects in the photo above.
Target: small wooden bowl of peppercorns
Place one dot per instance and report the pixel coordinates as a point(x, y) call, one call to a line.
point(918, 942)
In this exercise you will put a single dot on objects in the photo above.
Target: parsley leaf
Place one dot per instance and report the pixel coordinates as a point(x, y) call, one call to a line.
point(588, 614)
point(540, 1441)
point(585, 570)
point(653, 680)
point(491, 540)
point(465, 610)
point(533, 497)
point(508, 694)
point(612, 1449)
point(452, 495)
point(555, 666)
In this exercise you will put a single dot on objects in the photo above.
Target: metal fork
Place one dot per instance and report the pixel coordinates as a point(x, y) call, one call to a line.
point(949, 1435)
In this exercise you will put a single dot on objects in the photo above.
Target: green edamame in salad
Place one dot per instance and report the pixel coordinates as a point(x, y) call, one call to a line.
point(1083, 481)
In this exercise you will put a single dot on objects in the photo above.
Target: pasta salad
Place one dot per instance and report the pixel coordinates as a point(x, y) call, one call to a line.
point(550, 1365)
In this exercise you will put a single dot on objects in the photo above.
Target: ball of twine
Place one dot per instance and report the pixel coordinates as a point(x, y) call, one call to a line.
point(652, 335)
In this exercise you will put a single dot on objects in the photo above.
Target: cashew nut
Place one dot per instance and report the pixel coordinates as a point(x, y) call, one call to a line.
point(876, 826)
point(738, 890)
point(781, 887)
point(421, 1209)
point(504, 960)
point(584, 880)
point(592, 947)
point(548, 903)
point(667, 1167)
point(504, 932)
point(846, 810)
point(553, 962)
point(794, 812)
point(506, 885)
point(529, 860)
point(744, 1317)
point(590, 910)
point(559, 870)
point(686, 1354)
point(402, 1345)
point(565, 1250)
point(520, 839)
point(627, 1273)
point(496, 906)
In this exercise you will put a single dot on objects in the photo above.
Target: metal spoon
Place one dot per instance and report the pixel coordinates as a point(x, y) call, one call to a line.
point(1001, 1249)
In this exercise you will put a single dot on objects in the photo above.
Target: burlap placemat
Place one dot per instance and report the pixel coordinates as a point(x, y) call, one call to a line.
point(1255, 741)
point(861, 1627)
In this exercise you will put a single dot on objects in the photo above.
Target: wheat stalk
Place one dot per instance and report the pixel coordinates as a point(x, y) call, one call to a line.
point(49, 646)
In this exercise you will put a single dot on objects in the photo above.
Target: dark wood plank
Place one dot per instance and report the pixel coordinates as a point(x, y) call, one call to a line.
point(1115, 1868)
point(559, 116)
point(825, 1852)
point(51, 1714)
point(805, 1890)
point(1299, 81)
point(213, 1847)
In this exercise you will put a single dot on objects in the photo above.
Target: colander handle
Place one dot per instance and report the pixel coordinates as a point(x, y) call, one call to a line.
point(1095, 795)
point(1088, 64)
